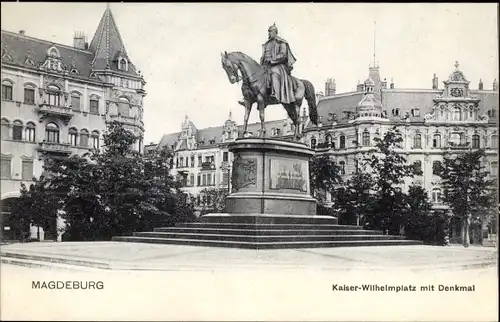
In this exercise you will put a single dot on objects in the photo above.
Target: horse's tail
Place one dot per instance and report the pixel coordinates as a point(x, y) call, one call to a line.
point(310, 96)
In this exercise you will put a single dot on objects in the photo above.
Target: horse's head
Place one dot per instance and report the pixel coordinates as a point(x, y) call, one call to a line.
point(231, 67)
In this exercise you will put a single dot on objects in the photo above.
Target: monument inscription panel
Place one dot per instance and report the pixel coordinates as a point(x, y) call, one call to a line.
point(288, 174)
point(244, 173)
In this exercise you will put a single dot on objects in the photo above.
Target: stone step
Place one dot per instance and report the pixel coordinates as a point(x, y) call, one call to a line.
point(263, 238)
point(51, 259)
point(266, 245)
point(265, 226)
point(233, 231)
point(277, 219)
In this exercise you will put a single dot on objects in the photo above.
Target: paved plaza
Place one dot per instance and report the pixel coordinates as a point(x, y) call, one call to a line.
point(139, 256)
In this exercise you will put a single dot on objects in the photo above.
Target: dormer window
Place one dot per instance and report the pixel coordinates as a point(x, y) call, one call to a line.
point(53, 52)
point(122, 64)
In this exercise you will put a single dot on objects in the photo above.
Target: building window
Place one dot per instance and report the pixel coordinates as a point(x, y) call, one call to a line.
point(475, 141)
point(94, 106)
point(225, 156)
point(6, 167)
point(225, 178)
point(17, 131)
point(7, 90)
point(198, 180)
point(415, 112)
point(140, 141)
point(436, 141)
point(122, 64)
point(436, 195)
point(436, 165)
point(5, 129)
point(73, 134)
point(52, 133)
point(29, 95)
point(27, 170)
point(456, 114)
point(204, 180)
point(199, 160)
point(30, 132)
point(181, 162)
point(313, 143)
point(494, 169)
point(342, 167)
point(417, 141)
point(417, 167)
point(455, 138)
point(95, 140)
point(494, 141)
point(84, 138)
point(53, 93)
point(124, 107)
point(209, 179)
point(75, 101)
point(366, 138)
point(192, 161)
point(342, 142)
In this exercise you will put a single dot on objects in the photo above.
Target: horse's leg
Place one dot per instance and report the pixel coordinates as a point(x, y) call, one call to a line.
point(248, 109)
point(261, 107)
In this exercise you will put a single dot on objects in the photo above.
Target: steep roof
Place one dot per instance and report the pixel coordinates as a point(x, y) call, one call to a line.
point(107, 45)
point(21, 47)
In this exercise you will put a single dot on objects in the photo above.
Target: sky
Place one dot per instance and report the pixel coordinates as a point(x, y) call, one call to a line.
point(177, 47)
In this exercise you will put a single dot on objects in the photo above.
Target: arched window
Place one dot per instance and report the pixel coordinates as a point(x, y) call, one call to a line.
point(456, 114)
point(313, 143)
point(342, 142)
point(494, 141)
point(73, 135)
point(75, 101)
point(455, 138)
point(342, 167)
point(53, 52)
point(494, 169)
point(366, 138)
point(328, 140)
point(54, 95)
point(5, 129)
point(7, 90)
point(29, 132)
point(94, 105)
point(123, 106)
point(95, 139)
point(29, 94)
point(17, 130)
point(475, 141)
point(84, 138)
point(122, 64)
point(436, 165)
point(436, 195)
point(417, 141)
point(52, 133)
point(436, 141)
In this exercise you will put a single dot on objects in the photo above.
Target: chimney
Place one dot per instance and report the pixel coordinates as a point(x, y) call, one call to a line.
point(330, 87)
point(480, 84)
point(79, 40)
point(392, 83)
point(434, 82)
point(22, 32)
point(384, 83)
point(495, 85)
point(360, 87)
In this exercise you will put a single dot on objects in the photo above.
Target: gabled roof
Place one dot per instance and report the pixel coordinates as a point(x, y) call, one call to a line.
point(107, 45)
point(20, 47)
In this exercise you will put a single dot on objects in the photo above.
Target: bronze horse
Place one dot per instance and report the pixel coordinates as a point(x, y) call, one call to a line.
point(255, 88)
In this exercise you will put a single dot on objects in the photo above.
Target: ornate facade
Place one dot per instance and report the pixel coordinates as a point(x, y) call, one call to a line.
point(434, 122)
point(57, 100)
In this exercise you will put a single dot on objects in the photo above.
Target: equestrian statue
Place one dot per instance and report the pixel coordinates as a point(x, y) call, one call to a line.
point(271, 82)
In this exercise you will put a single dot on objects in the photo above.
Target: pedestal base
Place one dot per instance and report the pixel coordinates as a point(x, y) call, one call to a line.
point(268, 219)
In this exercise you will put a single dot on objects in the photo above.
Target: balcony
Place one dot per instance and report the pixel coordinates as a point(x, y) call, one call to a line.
point(208, 166)
point(54, 148)
point(66, 113)
point(128, 120)
point(459, 146)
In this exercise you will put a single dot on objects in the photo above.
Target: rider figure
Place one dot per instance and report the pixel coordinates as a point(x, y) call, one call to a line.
point(278, 59)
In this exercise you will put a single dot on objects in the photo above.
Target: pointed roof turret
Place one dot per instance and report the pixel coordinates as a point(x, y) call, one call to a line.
point(108, 47)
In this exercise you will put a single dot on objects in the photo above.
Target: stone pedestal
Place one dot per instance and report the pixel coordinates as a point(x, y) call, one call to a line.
point(270, 183)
